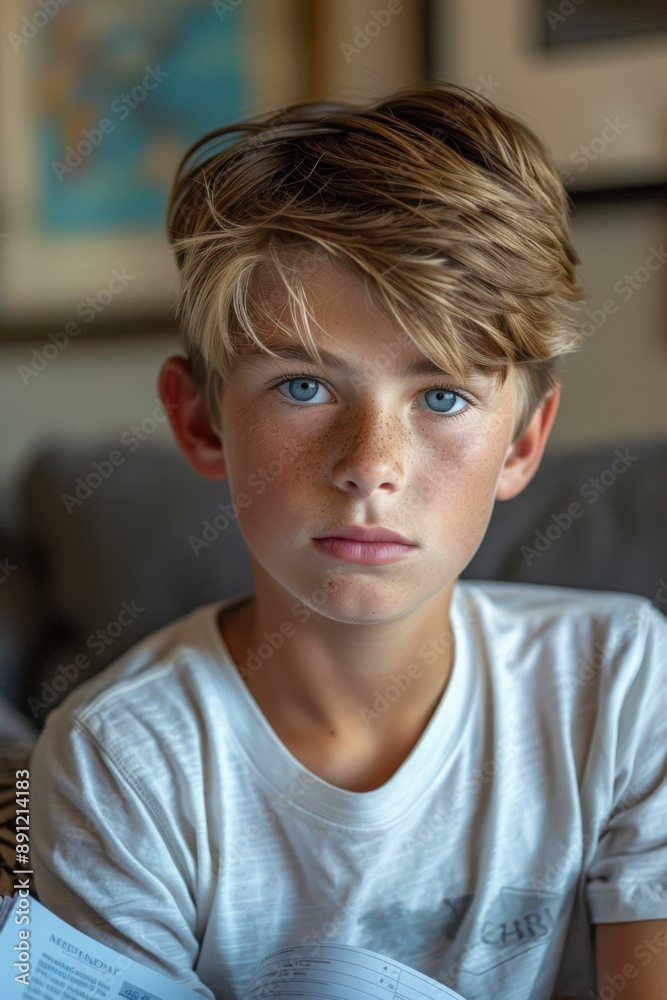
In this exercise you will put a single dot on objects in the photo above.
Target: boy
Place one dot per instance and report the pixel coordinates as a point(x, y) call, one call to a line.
point(364, 749)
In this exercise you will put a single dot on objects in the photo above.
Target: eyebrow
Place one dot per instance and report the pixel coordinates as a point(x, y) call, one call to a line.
point(422, 366)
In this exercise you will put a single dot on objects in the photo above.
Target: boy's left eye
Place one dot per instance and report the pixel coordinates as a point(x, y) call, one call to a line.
point(441, 399)
point(445, 400)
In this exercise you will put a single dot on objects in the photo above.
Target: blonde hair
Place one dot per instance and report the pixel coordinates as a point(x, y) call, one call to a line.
point(448, 209)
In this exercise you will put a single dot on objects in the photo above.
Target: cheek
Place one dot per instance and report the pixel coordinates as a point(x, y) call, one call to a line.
point(461, 485)
point(275, 458)
point(467, 461)
point(250, 442)
point(271, 469)
point(265, 442)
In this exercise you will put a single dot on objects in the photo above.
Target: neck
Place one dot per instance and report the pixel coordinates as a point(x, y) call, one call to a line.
point(351, 680)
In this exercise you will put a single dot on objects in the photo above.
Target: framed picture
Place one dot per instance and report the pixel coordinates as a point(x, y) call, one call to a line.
point(589, 77)
point(98, 102)
point(600, 21)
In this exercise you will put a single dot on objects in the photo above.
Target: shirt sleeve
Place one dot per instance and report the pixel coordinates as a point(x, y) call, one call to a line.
point(627, 878)
point(104, 859)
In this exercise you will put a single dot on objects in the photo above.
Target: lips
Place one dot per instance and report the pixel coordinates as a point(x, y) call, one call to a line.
point(359, 533)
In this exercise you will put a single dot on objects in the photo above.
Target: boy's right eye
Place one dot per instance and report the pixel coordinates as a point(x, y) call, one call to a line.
point(305, 387)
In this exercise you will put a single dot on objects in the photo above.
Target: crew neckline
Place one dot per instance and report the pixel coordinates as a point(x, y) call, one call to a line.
point(293, 781)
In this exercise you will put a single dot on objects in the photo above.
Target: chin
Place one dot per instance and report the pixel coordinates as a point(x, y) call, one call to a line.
point(365, 599)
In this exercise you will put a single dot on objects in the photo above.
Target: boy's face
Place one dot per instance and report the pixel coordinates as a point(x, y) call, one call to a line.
point(372, 448)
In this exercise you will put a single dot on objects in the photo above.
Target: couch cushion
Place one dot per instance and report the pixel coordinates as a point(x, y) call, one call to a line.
point(594, 518)
point(123, 555)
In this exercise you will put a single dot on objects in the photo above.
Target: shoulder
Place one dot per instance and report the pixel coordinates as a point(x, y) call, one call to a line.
point(153, 688)
point(540, 601)
point(585, 667)
point(576, 631)
point(530, 606)
point(145, 732)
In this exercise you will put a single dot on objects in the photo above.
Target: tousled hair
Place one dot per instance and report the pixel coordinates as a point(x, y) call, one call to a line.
point(449, 210)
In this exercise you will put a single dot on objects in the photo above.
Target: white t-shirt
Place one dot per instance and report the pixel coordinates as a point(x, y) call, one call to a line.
point(170, 822)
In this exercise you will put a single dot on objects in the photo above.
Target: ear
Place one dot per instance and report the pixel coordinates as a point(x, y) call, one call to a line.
point(525, 454)
point(198, 439)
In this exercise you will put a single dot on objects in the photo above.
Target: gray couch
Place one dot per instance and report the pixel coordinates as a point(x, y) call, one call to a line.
point(100, 561)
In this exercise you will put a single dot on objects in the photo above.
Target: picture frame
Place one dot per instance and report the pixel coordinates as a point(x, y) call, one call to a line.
point(600, 21)
point(599, 105)
point(88, 119)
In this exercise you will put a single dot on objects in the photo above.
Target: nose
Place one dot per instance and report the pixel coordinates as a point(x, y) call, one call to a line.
point(369, 454)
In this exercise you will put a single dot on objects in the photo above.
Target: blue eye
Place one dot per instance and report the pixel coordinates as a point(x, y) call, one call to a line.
point(441, 399)
point(444, 400)
point(305, 387)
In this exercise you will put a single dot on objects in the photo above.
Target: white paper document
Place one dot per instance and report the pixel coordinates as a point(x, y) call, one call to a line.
point(43, 958)
point(340, 972)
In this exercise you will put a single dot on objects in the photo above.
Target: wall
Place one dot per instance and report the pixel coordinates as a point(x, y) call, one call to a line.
point(92, 389)
point(614, 388)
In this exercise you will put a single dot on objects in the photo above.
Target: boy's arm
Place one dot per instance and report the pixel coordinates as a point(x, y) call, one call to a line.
point(103, 858)
point(632, 958)
point(627, 876)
